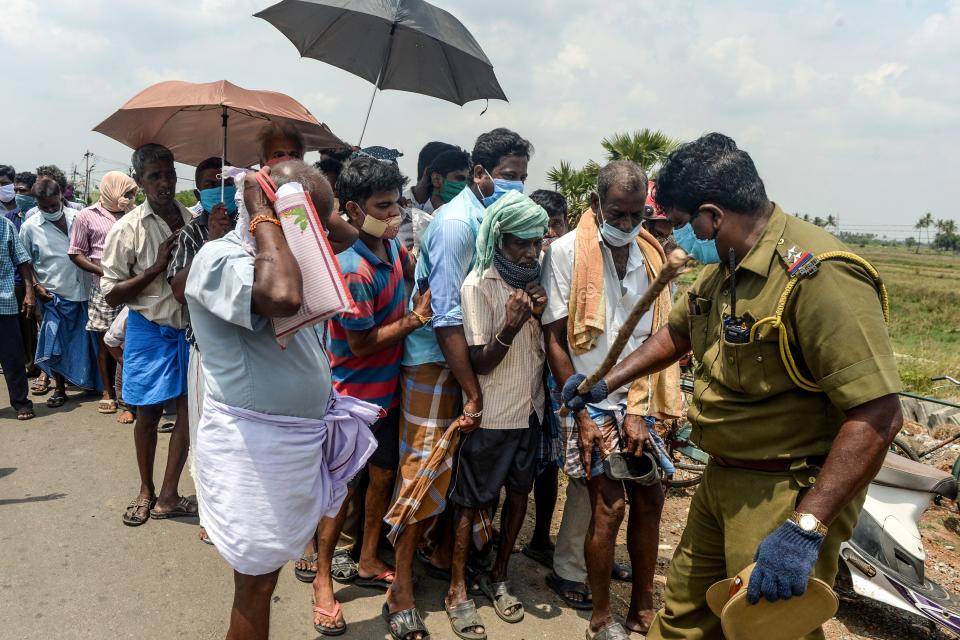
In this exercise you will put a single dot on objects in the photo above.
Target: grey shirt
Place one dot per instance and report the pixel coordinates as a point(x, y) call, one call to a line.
point(243, 365)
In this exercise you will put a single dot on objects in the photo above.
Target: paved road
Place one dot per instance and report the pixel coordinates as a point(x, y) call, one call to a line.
point(70, 569)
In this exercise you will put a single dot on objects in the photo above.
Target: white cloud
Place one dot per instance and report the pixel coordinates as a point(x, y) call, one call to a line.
point(833, 124)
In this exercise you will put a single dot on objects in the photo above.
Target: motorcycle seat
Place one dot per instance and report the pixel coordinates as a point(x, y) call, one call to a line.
point(904, 473)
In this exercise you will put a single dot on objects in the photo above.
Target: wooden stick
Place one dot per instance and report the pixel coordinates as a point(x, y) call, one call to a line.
point(671, 269)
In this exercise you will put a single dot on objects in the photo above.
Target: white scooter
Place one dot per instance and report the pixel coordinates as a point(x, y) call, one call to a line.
point(885, 555)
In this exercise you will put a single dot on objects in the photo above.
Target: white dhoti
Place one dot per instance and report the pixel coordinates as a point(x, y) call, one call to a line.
point(264, 481)
point(195, 396)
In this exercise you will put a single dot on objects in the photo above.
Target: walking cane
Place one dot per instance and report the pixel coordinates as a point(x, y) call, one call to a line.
point(671, 269)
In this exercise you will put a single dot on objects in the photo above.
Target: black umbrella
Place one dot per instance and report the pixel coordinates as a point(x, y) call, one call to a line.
point(408, 45)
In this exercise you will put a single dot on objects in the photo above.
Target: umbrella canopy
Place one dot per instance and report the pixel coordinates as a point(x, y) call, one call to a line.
point(190, 119)
point(408, 45)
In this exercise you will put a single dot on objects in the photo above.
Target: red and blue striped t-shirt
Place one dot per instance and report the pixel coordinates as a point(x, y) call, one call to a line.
point(378, 291)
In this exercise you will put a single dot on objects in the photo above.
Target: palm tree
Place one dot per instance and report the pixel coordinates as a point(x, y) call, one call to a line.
point(648, 148)
point(925, 222)
point(575, 185)
point(832, 222)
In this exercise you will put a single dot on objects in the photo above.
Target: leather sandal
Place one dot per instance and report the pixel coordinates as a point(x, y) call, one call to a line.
point(464, 616)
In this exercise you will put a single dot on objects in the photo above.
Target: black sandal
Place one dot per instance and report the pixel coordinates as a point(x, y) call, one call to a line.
point(56, 400)
point(404, 624)
point(562, 587)
point(306, 575)
point(343, 568)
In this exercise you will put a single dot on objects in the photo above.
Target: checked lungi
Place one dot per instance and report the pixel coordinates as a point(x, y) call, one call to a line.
point(431, 401)
point(100, 315)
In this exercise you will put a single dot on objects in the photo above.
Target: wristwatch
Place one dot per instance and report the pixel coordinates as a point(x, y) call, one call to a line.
point(809, 523)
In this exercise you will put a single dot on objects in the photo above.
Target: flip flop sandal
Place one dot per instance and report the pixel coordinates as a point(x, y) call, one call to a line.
point(432, 570)
point(377, 582)
point(343, 568)
point(613, 631)
point(166, 427)
point(622, 572)
point(55, 401)
point(306, 575)
point(404, 624)
point(464, 616)
point(130, 517)
point(542, 556)
point(26, 414)
point(333, 615)
point(107, 406)
point(499, 594)
point(562, 587)
point(183, 509)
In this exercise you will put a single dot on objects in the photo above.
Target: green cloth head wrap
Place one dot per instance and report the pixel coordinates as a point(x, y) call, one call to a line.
point(513, 213)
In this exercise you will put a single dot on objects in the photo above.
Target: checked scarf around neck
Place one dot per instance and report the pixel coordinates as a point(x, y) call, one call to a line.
point(515, 275)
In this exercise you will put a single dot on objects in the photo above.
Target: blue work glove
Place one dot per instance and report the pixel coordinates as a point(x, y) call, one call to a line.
point(577, 401)
point(784, 560)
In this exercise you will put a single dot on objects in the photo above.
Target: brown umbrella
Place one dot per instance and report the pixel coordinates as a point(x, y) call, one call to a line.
point(191, 119)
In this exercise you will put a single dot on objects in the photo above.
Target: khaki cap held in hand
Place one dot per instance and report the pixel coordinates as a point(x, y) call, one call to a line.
point(782, 620)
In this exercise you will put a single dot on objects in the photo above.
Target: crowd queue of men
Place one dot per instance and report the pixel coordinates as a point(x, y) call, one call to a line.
point(474, 307)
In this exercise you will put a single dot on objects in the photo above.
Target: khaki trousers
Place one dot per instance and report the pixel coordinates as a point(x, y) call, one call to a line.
point(731, 513)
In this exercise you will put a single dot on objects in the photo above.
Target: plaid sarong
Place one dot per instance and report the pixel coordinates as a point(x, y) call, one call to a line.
point(431, 402)
point(100, 315)
point(550, 451)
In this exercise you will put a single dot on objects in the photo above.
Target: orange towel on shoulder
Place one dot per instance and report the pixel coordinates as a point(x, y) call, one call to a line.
point(586, 311)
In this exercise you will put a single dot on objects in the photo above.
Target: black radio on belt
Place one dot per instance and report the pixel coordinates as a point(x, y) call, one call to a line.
point(735, 329)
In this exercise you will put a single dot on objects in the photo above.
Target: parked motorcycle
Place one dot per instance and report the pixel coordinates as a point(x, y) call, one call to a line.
point(885, 556)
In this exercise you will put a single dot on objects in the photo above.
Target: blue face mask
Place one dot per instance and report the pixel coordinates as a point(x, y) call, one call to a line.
point(704, 251)
point(26, 202)
point(500, 187)
point(210, 198)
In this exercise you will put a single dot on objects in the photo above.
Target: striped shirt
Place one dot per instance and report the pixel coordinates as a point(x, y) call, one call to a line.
point(89, 234)
point(12, 254)
point(189, 240)
point(514, 389)
point(378, 291)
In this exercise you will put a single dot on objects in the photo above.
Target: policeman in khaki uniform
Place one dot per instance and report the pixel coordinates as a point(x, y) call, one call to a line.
point(795, 395)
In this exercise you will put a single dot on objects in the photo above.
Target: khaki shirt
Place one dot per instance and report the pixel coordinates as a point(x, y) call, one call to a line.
point(744, 403)
point(131, 248)
point(514, 389)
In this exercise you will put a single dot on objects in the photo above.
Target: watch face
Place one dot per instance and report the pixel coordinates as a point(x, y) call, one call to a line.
point(808, 522)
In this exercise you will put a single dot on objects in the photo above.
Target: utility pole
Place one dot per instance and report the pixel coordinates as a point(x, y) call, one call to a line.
point(88, 169)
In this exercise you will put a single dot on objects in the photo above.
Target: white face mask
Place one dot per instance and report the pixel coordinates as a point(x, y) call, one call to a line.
point(614, 236)
point(7, 192)
point(52, 217)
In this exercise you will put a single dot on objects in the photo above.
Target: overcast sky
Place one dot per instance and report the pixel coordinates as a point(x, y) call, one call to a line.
point(848, 108)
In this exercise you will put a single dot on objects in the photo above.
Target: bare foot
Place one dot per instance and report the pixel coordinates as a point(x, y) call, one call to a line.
point(641, 622)
point(126, 417)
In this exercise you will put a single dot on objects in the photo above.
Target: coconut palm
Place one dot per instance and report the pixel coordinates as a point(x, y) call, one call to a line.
point(925, 222)
point(832, 223)
point(646, 147)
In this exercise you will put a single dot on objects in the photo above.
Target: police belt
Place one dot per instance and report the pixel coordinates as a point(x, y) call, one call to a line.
point(769, 466)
